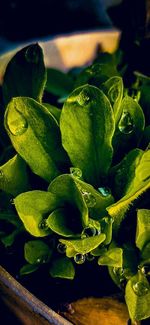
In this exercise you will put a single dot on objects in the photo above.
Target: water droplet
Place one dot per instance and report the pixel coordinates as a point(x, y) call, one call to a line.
point(83, 98)
point(141, 288)
point(126, 124)
point(61, 248)
point(79, 258)
point(88, 232)
point(43, 224)
point(90, 257)
point(16, 122)
point(105, 191)
point(89, 198)
point(32, 54)
point(39, 260)
point(76, 172)
point(12, 201)
point(1, 173)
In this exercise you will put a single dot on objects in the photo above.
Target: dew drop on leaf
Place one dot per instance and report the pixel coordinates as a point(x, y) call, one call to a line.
point(43, 224)
point(89, 257)
point(141, 288)
point(126, 124)
point(61, 248)
point(83, 98)
point(105, 191)
point(17, 124)
point(89, 198)
point(76, 172)
point(89, 232)
point(79, 258)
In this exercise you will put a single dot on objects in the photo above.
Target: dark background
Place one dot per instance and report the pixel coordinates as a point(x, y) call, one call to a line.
point(28, 20)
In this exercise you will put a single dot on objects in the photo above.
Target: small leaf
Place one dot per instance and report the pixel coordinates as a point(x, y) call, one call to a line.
point(62, 268)
point(87, 127)
point(113, 89)
point(66, 189)
point(25, 74)
point(28, 268)
point(137, 181)
point(112, 257)
point(13, 176)
point(33, 207)
point(61, 222)
point(37, 252)
point(30, 125)
point(8, 240)
point(143, 228)
point(58, 83)
point(84, 246)
point(137, 296)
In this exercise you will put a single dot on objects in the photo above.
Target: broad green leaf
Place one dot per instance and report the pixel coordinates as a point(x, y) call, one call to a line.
point(112, 257)
point(54, 111)
point(37, 252)
point(35, 135)
point(130, 127)
point(61, 222)
point(14, 176)
point(33, 207)
point(143, 228)
point(28, 268)
point(64, 186)
point(58, 83)
point(25, 74)
point(86, 245)
point(87, 127)
point(95, 200)
point(62, 268)
point(96, 74)
point(113, 89)
point(137, 182)
point(137, 296)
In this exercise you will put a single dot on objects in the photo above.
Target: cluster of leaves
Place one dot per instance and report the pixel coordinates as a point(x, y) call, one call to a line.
point(75, 162)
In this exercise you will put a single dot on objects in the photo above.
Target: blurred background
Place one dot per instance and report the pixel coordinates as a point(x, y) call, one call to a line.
point(30, 19)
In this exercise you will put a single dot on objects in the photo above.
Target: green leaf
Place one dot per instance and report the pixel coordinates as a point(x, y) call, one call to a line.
point(62, 268)
point(37, 252)
point(145, 254)
point(61, 221)
point(66, 189)
point(8, 240)
point(112, 257)
point(25, 74)
point(106, 228)
point(86, 245)
point(96, 201)
point(33, 207)
point(35, 135)
point(53, 110)
point(58, 83)
point(96, 74)
point(87, 127)
point(113, 89)
point(143, 228)
point(137, 296)
point(137, 182)
point(28, 268)
point(14, 176)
